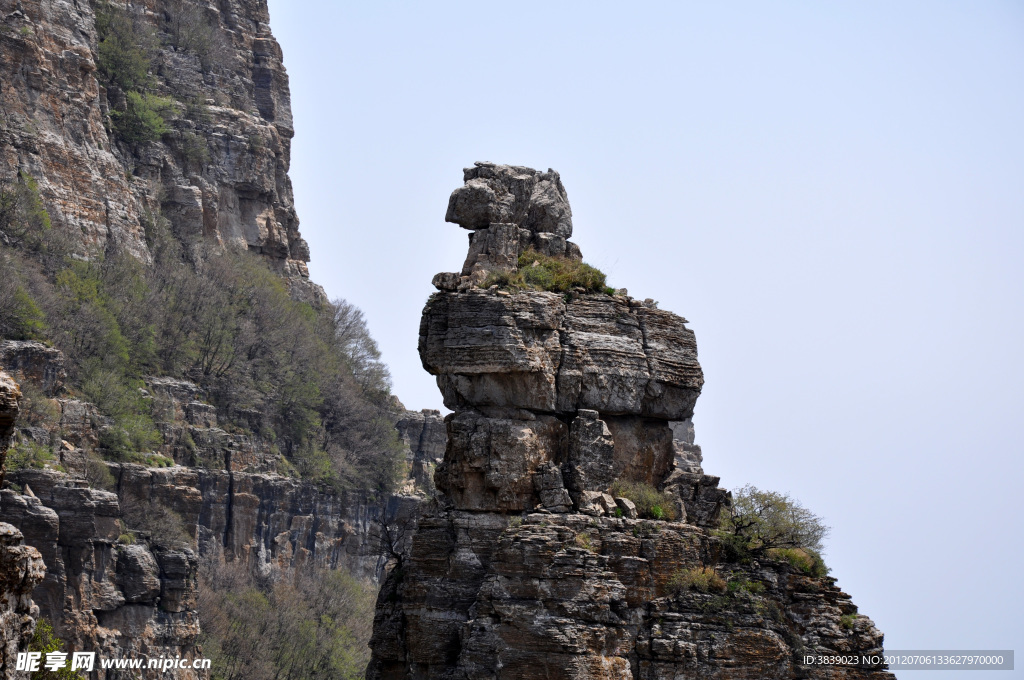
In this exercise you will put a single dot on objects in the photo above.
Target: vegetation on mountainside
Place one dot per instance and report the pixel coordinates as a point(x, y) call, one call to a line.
point(222, 320)
point(124, 56)
point(649, 502)
point(702, 579)
point(556, 274)
point(307, 625)
point(45, 641)
point(774, 525)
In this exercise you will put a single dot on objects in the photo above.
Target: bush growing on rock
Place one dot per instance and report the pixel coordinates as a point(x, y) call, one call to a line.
point(774, 524)
point(555, 274)
point(650, 503)
point(701, 579)
point(142, 119)
point(124, 54)
point(45, 640)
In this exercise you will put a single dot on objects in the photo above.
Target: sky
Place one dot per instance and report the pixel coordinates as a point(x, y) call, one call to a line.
point(832, 193)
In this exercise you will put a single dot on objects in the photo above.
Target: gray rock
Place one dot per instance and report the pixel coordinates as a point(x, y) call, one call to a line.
point(21, 569)
point(627, 507)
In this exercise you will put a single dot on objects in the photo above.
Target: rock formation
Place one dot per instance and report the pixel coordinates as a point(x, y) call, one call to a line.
point(219, 172)
point(21, 567)
point(526, 565)
point(123, 589)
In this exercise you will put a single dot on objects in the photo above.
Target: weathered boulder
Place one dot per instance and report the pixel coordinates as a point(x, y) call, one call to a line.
point(511, 194)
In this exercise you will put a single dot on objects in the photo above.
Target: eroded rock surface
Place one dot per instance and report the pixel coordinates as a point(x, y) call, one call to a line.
point(219, 173)
point(21, 568)
point(526, 564)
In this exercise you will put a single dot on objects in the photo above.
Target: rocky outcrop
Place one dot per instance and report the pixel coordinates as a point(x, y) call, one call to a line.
point(10, 405)
point(35, 362)
point(528, 564)
point(218, 174)
point(509, 209)
point(105, 591)
point(423, 434)
point(21, 568)
point(122, 565)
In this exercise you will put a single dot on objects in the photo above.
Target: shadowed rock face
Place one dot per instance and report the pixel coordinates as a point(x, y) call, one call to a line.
point(525, 565)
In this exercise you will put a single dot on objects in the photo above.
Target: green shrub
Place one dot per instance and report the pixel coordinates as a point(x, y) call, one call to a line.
point(44, 640)
point(127, 538)
point(24, 219)
point(98, 474)
point(846, 621)
point(142, 119)
point(556, 274)
point(701, 579)
point(130, 434)
point(743, 585)
point(649, 502)
point(27, 454)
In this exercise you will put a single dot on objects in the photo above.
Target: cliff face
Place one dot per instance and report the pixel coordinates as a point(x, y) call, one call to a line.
point(21, 566)
point(220, 169)
point(527, 565)
point(122, 566)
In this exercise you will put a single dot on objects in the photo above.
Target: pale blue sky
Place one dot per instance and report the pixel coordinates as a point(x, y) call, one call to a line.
point(832, 193)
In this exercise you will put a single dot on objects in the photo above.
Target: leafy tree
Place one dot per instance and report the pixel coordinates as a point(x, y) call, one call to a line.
point(762, 521)
point(307, 625)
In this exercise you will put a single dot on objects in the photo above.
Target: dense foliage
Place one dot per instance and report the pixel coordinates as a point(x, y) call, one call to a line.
point(556, 274)
point(306, 625)
point(225, 321)
point(776, 525)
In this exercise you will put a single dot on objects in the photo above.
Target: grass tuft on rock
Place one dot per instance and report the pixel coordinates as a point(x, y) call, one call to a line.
point(649, 502)
point(554, 274)
point(701, 579)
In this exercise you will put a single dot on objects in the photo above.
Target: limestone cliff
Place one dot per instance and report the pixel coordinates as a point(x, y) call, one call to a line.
point(21, 567)
point(220, 168)
point(526, 565)
point(121, 565)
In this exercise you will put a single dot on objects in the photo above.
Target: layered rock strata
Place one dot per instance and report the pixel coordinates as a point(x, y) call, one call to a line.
point(526, 565)
point(122, 586)
point(21, 566)
point(219, 173)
